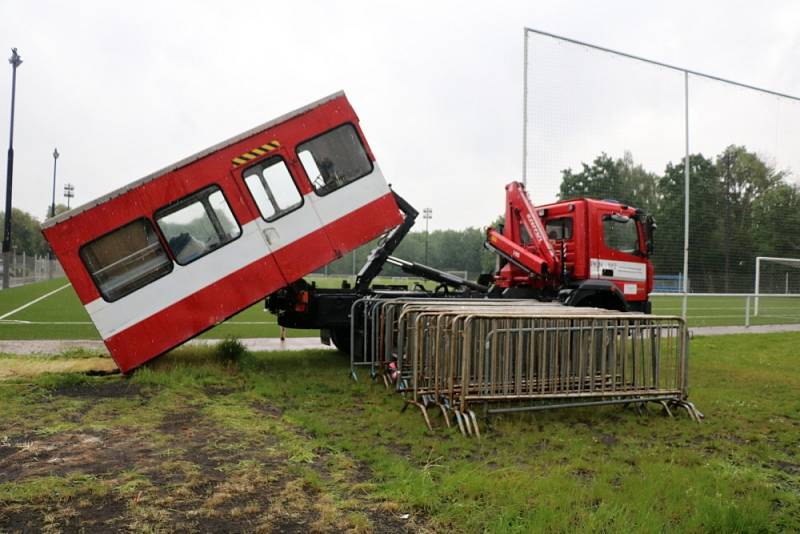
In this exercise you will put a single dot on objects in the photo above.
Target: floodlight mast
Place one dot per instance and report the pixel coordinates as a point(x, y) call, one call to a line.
point(15, 61)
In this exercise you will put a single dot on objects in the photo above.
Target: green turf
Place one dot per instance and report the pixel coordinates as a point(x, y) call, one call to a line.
point(64, 307)
point(348, 444)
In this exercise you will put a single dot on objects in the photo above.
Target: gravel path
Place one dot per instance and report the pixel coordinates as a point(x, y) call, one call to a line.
point(760, 329)
point(55, 346)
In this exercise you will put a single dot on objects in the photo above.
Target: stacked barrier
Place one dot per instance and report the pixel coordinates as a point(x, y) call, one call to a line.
point(513, 356)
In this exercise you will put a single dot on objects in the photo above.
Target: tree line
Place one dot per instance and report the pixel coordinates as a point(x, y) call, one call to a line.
point(741, 207)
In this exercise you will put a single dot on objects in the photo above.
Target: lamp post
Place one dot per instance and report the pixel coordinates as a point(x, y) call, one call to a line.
point(69, 192)
point(55, 163)
point(427, 213)
point(15, 61)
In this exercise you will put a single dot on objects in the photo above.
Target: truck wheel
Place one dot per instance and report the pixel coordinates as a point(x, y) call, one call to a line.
point(341, 338)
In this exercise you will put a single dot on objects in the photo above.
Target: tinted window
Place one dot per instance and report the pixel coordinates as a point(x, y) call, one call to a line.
point(273, 188)
point(334, 159)
point(622, 236)
point(126, 259)
point(198, 224)
point(560, 228)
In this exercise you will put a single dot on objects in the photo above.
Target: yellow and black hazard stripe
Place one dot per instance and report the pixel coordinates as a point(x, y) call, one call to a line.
point(255, 152)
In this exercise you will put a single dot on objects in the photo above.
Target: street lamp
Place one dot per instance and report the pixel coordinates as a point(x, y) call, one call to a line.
point(69, 192)
point(15, 61)
point(427, 213)
point(55, 162)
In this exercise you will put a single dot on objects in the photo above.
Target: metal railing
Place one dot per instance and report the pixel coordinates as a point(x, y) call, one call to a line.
point(513, 356)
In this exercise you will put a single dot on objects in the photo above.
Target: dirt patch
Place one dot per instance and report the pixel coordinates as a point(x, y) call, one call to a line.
point(787, 467)
point(99, 390)
point(93, 453)
point(188, 473)
point(102, 514)
point(608, 440)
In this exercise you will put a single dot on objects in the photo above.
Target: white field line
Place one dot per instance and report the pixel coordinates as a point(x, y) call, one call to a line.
point(20, 321)
point(31, 303)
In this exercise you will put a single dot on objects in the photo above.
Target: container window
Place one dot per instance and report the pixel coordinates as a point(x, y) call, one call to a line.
point(334, 159)
point(126, 259)
point(198, 224)
point(272, 188)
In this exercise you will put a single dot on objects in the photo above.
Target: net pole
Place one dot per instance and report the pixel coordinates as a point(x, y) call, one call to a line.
point(525, 109)
point(686, 197)
point(757, 285)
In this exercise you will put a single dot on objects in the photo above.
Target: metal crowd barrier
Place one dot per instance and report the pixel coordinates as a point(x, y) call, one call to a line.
point(513, 356)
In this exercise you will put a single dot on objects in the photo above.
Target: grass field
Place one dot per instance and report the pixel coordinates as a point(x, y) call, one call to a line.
point(61, 316)
point(284, 442)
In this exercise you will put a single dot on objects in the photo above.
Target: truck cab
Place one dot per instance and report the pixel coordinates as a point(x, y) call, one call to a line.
point(581, 251)
point(602, 242)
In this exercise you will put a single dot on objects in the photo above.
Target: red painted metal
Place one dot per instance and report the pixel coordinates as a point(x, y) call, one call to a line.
point(154, 331)
point(524, 240)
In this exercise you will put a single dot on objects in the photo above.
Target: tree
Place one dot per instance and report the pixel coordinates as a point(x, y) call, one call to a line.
point(776, 221)
point(26, 233)
point(704, 215)
point(744, 179)
point(60, 208)
point(620, 179)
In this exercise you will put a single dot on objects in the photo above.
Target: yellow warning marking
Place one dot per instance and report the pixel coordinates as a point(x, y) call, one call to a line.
point(255, 152)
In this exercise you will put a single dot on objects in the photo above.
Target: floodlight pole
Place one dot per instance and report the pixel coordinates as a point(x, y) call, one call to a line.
point(53, 203)
point(686, 198)
point(69, 192)
point(15, 61)
point(525, 111)
point(427, 213)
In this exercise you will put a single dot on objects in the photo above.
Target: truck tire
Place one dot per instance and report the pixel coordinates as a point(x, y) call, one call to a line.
point(340, 336)
point(597, 294)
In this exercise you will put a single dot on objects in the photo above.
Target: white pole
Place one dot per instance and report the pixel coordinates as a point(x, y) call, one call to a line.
point(747, 313)
point(525, 110)
point(686, 197)
point(787, 282)
point(757, 284)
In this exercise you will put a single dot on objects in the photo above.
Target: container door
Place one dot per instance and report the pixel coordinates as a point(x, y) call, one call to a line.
point(287, 220)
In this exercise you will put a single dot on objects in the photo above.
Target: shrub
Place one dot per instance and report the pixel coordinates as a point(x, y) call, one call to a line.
point(230, 350)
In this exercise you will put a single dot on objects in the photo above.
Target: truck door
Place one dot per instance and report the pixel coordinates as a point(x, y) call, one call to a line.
point(618, 253)
point(286, 218)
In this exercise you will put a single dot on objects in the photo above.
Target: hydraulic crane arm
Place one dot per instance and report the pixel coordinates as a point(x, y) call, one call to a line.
point(523, 240)
point(515, 253)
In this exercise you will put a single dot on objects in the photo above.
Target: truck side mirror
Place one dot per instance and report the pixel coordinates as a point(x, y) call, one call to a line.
point(650, 229)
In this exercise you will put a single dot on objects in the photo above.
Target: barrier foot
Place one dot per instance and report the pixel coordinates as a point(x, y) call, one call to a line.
point(460, 421)
point(475, 424)
point(424, 411)
point(666, 407)
point(445, 415)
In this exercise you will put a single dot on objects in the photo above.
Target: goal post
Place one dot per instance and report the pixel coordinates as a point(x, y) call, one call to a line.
point(788, 262)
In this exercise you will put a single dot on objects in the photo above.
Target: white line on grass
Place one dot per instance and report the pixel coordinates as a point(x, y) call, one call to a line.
point(22, 321)
point(31, 303)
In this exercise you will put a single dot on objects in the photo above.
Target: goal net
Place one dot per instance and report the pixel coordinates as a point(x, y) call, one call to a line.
point(775, 276)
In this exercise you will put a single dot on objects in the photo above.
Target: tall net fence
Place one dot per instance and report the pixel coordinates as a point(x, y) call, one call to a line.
point(608, 125)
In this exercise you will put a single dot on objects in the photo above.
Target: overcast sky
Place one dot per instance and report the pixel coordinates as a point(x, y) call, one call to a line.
point(125, 88)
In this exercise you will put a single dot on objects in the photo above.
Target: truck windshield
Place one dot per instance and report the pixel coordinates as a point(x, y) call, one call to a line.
point(619, 235)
